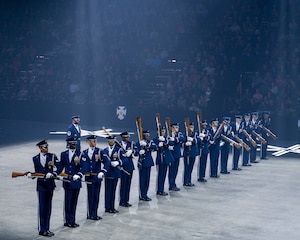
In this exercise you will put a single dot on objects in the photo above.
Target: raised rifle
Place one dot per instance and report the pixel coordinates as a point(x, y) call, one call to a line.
point(158, 124)
point(188, 134)
point(199, 121)
point(218, 132)
point(250, 138)
point(259, 137)
point(268, 131)
point(116, 140)
point(234, 143)
point(139, 131)
point(242, 142)
point(168, 126)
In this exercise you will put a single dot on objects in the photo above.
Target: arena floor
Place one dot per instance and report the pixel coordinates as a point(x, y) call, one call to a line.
point(260, 202)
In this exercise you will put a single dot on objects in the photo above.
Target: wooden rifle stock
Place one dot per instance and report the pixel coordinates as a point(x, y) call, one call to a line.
point(268, 131)
point(139, 128)
point(158, 124)
point(250, 138)
point(260, 138)
point(19, 174)
point(242, 142)
point(234, 143)
point(218, 132)
point(168, 126)
point(187, 128)
point(199, 120)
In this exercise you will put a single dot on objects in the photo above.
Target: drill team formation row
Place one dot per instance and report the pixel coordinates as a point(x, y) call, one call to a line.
point(93, 165)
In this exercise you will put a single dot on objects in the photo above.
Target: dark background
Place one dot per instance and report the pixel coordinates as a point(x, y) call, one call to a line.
point(60, 58)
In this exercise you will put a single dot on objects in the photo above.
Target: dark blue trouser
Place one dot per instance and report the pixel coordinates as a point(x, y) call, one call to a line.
point(125, 187)
point(224, 157)
point(236, 157)
point(161, 176)
point(144, 181)
point(110, 193)
point(188, 169)
point(202, 165)
point(71, 198)
point(173, 170)
point(214, 161)
point(93, 191)
point(246, 156)
point(253, 151)
point(45, 207)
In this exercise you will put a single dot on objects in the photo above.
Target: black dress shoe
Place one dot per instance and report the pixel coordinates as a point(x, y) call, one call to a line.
point(174, 189)
point(123, 205)
point(247, 165)
point(68, 225)
point(237, 169)
point(96, 218)
point(114, 211)
point(202, 180)
point(254, 161)
point(214, 176)
point(75, 225)
point(46, 234)
point(142, 199)
point(128, 205)
point(189, 184)
point(148, 199)
point(162, 193)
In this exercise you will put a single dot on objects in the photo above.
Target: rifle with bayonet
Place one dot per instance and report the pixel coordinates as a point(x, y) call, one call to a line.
point(199, 121)
point(252, 141)
point(219, 130)
point(259, 137)
point(65, 175)
point(234, 143)
point(239, 140)
point(139, 130)
point(36, 175)
point(269, 132)
point(168, 126)
point(158, 124)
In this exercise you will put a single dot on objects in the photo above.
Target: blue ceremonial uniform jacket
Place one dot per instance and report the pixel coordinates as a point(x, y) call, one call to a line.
point(164, 155)
point(44, 184)
point(237, 131)
point(128, 162)
point(192, 151)
point(93, 165)
point(178, 140)
point(70, 167)
point(73, 133)
point(205, 141)
point(146, 160)
point(216, 144)
point(116, 155)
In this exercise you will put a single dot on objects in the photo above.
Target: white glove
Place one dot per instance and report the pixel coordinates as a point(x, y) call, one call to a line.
point(28, 175)
point(211, 142)
point(76, 177)
point(100, 175)
point(49, 175)
point(190, 139)
point(160, 144)
point(188, 143)
point(222, 143)
point(143, 143)
point(142, 152)
point(172, 139)
point(202, 135)
point(128, 153)
point(114, 163)
point(161, 138)
point(171, 148)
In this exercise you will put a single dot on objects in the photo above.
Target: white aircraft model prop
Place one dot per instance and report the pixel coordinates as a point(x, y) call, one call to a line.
point(279, 151)
point(100, 133)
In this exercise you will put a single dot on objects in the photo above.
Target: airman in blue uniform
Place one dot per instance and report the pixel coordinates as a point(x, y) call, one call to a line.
point(237, 129)
point(90, 162)
point(145, 161)
point(74, 130)
point(225, 148)
point(70, 165)
point(204, 152)
point(247, 127)
point(128, 165)
point(163, 159)
point(214, 148)
point(45, 163)
point(266, 122)
point(177, 138)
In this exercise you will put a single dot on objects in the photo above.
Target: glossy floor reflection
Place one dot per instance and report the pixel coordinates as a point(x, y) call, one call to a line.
point(260, 202)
